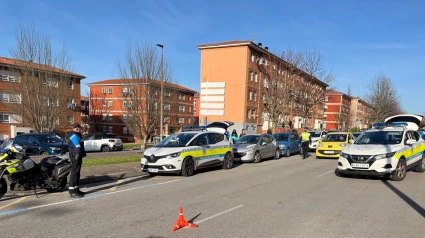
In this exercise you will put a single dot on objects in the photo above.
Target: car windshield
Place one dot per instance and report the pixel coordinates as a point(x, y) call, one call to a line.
point(249, 139)
point(380, 138)
point(314, 133)
point(176, 140)
point(46, 139)
point(335, 138)
point(6, 143)
point(281, 137)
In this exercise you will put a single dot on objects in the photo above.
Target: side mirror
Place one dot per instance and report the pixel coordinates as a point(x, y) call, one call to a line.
point(410, 142)
point(264, 143)
point(323, 136)
point(351, 141)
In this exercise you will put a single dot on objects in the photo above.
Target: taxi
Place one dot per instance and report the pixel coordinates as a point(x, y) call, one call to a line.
point(332, 144)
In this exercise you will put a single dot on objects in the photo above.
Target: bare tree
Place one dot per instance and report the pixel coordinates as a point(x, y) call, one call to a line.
point(383, 97)
point(39, 94)
point(140, 73)
point(99, 110)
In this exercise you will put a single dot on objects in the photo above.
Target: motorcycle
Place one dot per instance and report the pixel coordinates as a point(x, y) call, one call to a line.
point(24, 174)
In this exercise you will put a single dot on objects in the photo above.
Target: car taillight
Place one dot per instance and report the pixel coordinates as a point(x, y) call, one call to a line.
point(111, 141)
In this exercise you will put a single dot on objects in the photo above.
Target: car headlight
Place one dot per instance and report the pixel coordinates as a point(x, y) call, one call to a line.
point(174, 155)
point(282, 146)
point(342, 145)
point(384, 156)
point(319, 144)
point(55, 148)
point(344, 155)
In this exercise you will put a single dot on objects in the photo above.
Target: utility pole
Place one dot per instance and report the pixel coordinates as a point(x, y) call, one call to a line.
point(162, 90)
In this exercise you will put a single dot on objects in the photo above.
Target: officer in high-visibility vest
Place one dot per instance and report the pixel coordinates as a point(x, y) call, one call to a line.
point(305, 142)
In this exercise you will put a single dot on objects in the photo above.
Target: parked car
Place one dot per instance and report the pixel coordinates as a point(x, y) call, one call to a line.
point(255, 147)
point(289, 143)
point(333, 143)
point(356, 134)
point(104, 142)
point(41, 144)
point(316, 136)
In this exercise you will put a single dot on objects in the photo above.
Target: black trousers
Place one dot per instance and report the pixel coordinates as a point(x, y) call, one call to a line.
point(305, 146)
point(74, 178)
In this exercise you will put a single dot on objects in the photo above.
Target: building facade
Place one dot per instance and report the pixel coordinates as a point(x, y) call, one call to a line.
point(360, 110)
point(13, 93)
point(337, 113)
point(196, 106)
point(233, 87)
point(109, 102)
point(85, 114)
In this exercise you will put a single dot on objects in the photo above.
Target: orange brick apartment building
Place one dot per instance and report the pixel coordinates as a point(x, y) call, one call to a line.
point(178, 107)
point(232, 87)
point(11, 123)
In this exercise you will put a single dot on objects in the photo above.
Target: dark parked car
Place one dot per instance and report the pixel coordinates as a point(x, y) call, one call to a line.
point(41, 144)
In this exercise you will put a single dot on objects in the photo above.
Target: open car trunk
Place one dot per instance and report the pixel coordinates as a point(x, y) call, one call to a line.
point(219, 126)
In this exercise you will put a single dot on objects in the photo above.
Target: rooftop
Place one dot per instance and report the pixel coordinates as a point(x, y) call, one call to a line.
point(119, 82)
point(20, 63)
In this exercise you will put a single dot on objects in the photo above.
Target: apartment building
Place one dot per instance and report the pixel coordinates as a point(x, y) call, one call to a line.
point(196, 106)
point(360, 110)
point(85, 114)
point(233, 83)
point(337, 113)
point(44, 80)
point(108, 102)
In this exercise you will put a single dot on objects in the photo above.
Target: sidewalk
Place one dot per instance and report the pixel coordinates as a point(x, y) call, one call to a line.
point(95, 174)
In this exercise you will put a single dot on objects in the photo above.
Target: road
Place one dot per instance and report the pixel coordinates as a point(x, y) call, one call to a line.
point(289, 197)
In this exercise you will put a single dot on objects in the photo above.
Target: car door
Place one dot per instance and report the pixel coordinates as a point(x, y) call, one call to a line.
point(414, 154)
point(89, 142)
point(273, 145)
point(264, 148)
point(97, 142)
point(204, 153)
point(216, 141)
point(33, 145)
point(295, 142)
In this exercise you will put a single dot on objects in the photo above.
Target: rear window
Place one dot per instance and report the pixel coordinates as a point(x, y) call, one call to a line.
point(110, 136)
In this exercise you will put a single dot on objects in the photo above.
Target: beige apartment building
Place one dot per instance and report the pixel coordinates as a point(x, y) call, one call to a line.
point(360, 110)
point(232, 88)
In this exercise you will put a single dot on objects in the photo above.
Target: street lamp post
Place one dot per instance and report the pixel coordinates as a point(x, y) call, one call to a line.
point(162, 90)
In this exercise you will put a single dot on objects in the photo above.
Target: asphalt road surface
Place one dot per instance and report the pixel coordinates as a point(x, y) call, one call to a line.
point(277, 198)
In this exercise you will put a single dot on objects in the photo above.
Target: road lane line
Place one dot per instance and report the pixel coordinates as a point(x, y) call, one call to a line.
point(87, 197)
point(326, 173)
point(218, 214)
point(10, 204)
point(116, 184)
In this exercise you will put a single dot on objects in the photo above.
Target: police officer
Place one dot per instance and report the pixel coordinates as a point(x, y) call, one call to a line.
point(306, 141)
point(76, 154)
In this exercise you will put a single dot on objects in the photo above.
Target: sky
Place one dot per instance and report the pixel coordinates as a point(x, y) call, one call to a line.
point(357, 38)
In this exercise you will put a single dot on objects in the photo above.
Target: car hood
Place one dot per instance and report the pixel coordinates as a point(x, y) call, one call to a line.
point(242, 146)
point(371, 149)
point(161, 151)
point(332, 144)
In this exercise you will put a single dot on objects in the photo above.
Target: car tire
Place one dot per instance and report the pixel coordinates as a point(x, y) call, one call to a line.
point(228, 161)
point(188, 167)
point(400, 172)
point(288, 152)
point(277, 154)
point(105, 148)
point(44, 153)
point(421, 167)
point(257, 157)
point(152, 174)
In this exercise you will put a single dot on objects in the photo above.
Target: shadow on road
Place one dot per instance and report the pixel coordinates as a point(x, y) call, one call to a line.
point(114, 184)
point(194, 218)
point(406, 198)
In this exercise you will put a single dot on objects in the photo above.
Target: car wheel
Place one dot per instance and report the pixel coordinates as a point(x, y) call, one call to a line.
point(43, 152)
point(257, 157)
point(228, 161)
point(288, 152)
point(188, 167)
point(421, 167)
point(105, 148)
point(277, 154)
point(400, 171)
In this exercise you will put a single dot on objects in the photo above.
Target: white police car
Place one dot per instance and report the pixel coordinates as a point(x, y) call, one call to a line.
point(184, 152)
point(388, 151)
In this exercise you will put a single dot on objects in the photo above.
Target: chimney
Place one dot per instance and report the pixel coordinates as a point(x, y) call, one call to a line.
point(260, 44)
point(267, 48)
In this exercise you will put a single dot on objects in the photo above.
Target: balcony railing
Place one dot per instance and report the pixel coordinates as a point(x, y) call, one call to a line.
point(84, 108)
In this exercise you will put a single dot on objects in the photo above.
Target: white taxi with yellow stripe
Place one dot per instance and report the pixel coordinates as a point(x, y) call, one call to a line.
point(389, 151)
point(185, 152)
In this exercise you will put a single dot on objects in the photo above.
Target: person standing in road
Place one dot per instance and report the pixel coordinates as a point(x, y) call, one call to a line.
point(234, 136)
point(306, 141)
point(76, 154)
point(242, 133)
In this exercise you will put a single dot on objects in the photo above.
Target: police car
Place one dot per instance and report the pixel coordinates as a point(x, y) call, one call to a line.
point(387, 151)
point(184, 152)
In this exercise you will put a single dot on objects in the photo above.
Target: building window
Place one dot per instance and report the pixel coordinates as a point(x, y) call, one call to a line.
point(251, 76)
point(110, 103)
point(110, 90)
point(167, 119)
point(167, 107)
point(124, 104)
point(104, 117)
point(10, 97)
point(181, 120)
point(124, 117)
point(194, 109)
point(110, 129)
point(9, 76)
point(155, 105)
point(104, 129)
point(194, 102)
point(266, 84)
point(4, 118)
point(256, 77)
point(167, 93)
point(190, 109)
point(255, 96)
point(181, 96)
point(110, 117)
point(70, 120)
point(248, 114)
point(181, 108)
point(190, 98)
point(156, 92)
point(104, 90)
point(70, 84)
point(130, 131)
point(253, 114)
point(326, 99)
point(252, 57)
point(104, 104)
point(130, 103)
point(264, 97)
point(250, 95)
point(124, 130)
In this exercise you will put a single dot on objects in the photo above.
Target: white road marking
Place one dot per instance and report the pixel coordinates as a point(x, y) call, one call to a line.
point(326, 173)
point(218, 214)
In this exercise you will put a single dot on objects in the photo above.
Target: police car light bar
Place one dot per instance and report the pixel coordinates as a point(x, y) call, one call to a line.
point(399, 124)
point(378, 124)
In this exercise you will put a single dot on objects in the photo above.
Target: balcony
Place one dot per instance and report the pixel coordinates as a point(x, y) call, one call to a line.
point(84, 108)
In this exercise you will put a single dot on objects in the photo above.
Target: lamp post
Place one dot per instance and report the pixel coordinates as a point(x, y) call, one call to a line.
point(162, 89)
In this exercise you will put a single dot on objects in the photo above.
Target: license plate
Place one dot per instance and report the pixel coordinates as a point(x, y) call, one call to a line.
point(153, 170)
point(328, 152)
point(356, 165)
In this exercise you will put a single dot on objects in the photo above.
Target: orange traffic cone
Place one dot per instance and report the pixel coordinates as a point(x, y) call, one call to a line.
point(181, 222)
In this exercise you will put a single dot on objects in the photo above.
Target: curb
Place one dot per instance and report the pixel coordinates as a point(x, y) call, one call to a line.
point(108, 177)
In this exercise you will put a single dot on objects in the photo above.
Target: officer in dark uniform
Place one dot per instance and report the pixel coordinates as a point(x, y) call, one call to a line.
point(76, 154)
